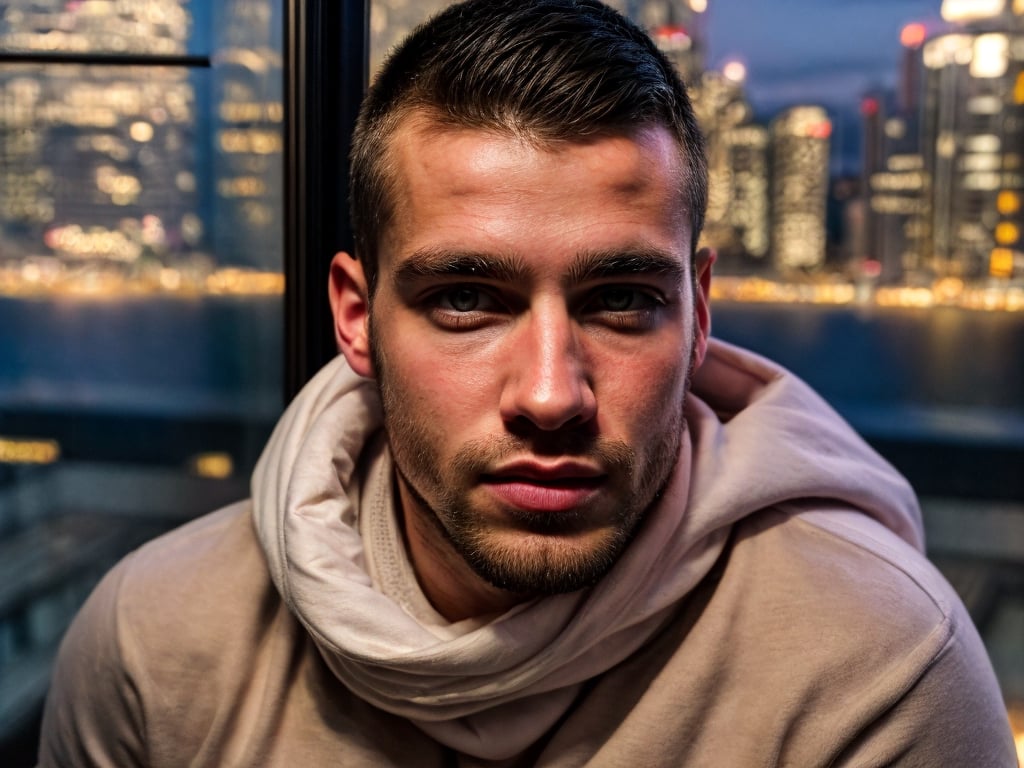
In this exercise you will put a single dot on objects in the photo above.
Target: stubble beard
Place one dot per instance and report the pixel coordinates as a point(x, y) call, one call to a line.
point(550, 556)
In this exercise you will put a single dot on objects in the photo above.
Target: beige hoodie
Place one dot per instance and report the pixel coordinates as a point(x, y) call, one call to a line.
point(774, 609)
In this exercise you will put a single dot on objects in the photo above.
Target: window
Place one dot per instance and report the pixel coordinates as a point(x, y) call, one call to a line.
point(141, 290)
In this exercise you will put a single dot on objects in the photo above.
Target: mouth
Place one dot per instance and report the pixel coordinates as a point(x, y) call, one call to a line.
point(536, 488)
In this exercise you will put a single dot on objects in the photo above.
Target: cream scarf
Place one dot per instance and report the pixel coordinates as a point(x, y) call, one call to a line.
point(491, 687)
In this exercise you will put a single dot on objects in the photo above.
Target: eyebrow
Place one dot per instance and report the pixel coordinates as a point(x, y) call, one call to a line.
point(438, 263)
point(641, 260)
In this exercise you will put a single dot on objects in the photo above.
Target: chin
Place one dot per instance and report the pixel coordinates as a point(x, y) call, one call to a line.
point(546, 563)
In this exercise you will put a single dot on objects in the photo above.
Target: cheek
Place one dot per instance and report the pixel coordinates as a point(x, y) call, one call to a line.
point(643, 394)
point(442, 387)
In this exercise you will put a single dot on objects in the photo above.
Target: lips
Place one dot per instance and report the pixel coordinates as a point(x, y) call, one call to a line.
point(533, 487)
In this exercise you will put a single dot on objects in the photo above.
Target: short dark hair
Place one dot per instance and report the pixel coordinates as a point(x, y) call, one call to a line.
point(546, 70)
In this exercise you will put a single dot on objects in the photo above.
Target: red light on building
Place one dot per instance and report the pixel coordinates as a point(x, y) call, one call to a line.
point(913, 35)
point(820, 130)
point(671, 33)
point(869, 107)
point(871, 268)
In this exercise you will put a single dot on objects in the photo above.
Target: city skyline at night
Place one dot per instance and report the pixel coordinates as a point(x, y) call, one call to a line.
point(184, 197)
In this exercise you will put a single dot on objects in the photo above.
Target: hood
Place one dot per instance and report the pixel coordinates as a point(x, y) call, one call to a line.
point(757, 437)
point(766, 438)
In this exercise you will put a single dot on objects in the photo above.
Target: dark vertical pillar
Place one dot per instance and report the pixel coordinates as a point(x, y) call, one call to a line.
point(325, 71)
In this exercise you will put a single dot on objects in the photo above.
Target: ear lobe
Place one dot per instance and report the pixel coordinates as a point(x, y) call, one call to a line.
point(703, 260)
point(351, 309)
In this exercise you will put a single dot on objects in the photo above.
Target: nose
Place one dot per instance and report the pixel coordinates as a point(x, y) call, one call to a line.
point(548, 383)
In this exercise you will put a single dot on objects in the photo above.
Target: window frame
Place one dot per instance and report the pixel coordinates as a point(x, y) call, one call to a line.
point(325, 46)
point(326, 52)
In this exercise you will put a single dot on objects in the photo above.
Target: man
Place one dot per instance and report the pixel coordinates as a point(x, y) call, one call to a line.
point(533, 515)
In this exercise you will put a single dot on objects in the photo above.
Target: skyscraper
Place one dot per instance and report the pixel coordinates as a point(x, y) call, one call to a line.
point(800, 155)
point(973, 135)
point(748, 215)
point(720, 106)
point(248, 122)
point(96, 161)
point(893, 176)
point(677, 27)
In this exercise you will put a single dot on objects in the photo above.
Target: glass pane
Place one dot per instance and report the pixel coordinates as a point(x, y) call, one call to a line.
point(141, 297)
point(160, 27)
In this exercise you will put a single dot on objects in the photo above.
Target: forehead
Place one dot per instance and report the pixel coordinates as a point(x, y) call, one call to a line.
point(453, 184)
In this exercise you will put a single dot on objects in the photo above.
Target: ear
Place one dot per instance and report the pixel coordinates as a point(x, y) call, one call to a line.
point(702, 262)
point(351, 308)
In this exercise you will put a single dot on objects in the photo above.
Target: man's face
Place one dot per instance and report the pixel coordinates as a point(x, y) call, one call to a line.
point(532, 331)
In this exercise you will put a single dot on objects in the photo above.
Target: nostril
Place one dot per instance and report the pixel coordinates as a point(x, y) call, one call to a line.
point(575, 437)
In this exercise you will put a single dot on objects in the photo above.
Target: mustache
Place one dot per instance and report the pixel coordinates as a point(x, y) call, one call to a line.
point(480, 456)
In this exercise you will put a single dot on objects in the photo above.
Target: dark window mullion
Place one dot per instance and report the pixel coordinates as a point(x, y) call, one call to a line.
point(103, 59)
point(326, 55)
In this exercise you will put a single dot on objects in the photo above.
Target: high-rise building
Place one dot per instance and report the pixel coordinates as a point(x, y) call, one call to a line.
point(912, 37)
point(97, 161)
point(872, 111)
point(720, 106)
point(737, 150)
point(677, 27)
point(247, 159)
point(973, 139)
point(109, 166)
point(892, 178)
point(737, 216)
point(748, 213)
point(800, 159)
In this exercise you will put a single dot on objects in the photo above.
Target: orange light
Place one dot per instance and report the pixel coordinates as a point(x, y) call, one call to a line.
point(1008, 202)
point(1007, 233)
point(216, 465)
point(913, 35)
point(17, 450)
point(1000, 263)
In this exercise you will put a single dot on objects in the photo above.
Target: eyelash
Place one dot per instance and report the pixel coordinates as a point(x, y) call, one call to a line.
point(460, 320)
point(630, 319)
point(633, 319)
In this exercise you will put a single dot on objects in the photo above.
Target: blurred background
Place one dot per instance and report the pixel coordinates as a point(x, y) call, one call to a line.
point(172, 188)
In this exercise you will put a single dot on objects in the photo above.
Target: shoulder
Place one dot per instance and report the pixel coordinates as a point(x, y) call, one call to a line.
point(145, 656)
point(819, 638)
point(178, 601)
point(190, 585)
point(839, 583)
point(866, 633)
point(845, 560)
point(195, 564)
